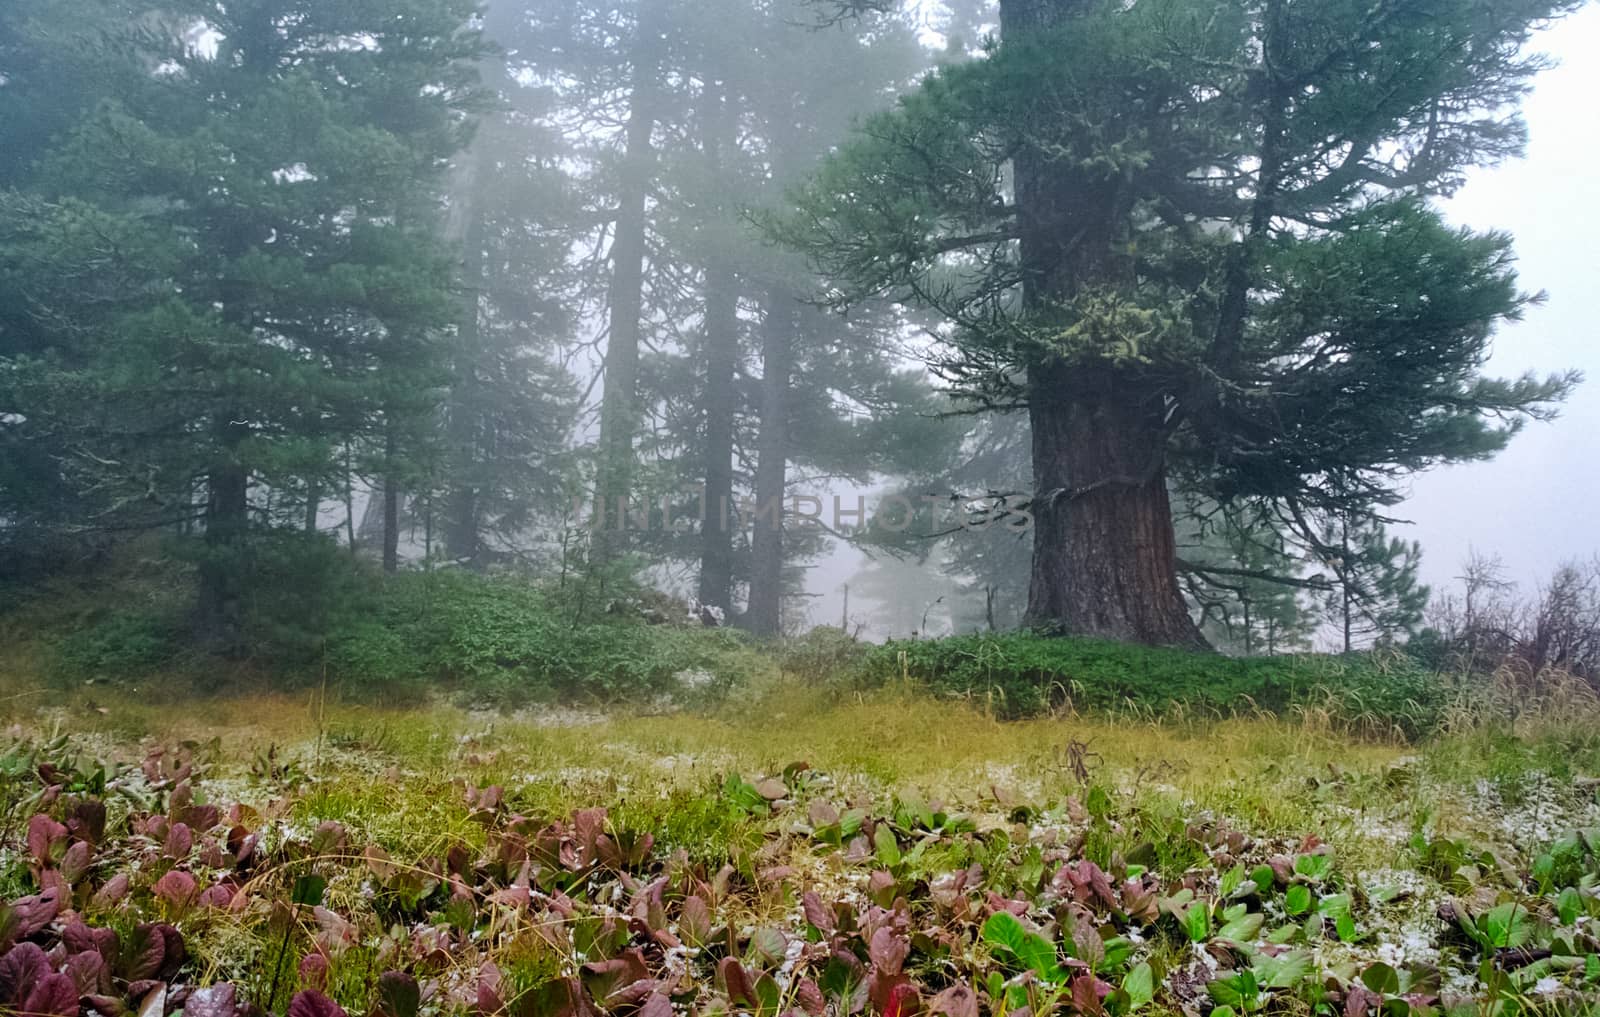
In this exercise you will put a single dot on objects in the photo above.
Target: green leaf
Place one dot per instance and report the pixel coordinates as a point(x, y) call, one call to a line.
point(1336, 909)
point(1031, 951)
point(770, 995)
point(1197, 921)
point(1263, 878)
point(1232, 880)
point(1285, 972)
point(309, 890)
point(1569, 905)
point(1242, 929)
point(887, 846)
point(1313, 866)
point(1382, 979)
point(1506, 926)
point(1140, 985)
point(1239, 991)
point(1298, 900)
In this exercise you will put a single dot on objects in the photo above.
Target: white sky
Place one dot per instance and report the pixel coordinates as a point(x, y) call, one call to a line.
point(1538, 504)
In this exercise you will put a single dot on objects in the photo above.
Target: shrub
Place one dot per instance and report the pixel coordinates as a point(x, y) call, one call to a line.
point(1023, 675)
point(507, 640)
point(822, 654)
point(118, 645)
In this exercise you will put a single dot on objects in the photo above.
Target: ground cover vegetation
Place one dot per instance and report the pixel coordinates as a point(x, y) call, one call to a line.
point(790, 852)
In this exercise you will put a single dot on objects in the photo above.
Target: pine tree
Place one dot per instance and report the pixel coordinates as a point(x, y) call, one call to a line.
point(255, 193)
point(1193, 238)
point(1377, 594)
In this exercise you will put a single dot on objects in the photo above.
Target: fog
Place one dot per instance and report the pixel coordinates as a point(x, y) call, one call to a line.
point(1208, 305)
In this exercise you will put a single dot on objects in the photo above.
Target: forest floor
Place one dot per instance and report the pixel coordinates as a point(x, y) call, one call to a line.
point(887, 854)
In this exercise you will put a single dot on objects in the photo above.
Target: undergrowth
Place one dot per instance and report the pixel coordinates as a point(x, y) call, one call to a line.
point(1022, 675)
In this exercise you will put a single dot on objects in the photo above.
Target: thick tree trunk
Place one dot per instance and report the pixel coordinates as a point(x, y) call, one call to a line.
point(772, 468)
point(1105, 550)
point(619, 411)
point(1105, 558)
point(719, 399)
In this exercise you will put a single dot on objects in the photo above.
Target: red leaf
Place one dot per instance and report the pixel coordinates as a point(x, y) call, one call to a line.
point(180, 841)
point(314, 1004)
point(54, 996)
point(79, 938)
point(24, 967)
point(489, 1001)
point(75, 863)
point(32, 914)
point(604, 978)
point(177, 888)
point(398, 995)
point(808, 995)
point(817, 913)
point(218, 1000)
point(736, 982)
point(888, 951)
point(112, 893)
point(956, 1001)
point(89, 973)
point(44, 834)
point(903, 1001)
point(314, 971)
point(142, 954)
point(695, 923)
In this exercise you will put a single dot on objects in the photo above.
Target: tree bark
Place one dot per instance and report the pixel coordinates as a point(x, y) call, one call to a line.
point(765, 617)
point(391, 508)
point(1105, 548)
point(720, 399)
point(313, 504)
point(221, 592)
point(619, 411)
point(462, 526)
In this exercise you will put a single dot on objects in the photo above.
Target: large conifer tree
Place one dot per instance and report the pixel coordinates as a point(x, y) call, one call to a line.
point(1193, 238)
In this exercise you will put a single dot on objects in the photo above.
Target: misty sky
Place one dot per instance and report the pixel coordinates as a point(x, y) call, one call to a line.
point(1535, 506)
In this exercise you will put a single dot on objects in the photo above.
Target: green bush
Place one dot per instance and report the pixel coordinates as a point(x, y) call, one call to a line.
point(822, 654)
point(118, 645)
point(1025, 675)
point(506, 639)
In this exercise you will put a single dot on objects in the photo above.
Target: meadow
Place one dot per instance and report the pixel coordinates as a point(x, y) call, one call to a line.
point(790, 849)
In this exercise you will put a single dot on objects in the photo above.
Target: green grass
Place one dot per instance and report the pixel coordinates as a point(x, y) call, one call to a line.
point(1033, 793)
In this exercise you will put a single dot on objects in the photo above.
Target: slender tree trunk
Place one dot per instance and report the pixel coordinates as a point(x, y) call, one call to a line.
point(221, 593)
point(1105, 549)
point(772, 449)
point(350, 504)
point(720, 397)
point(313, 504)
point(619, 411)
point(391, 506)
point(462, 525)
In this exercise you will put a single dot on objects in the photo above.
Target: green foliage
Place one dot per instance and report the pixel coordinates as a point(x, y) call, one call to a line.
point(1025, 675)
point(509, 640)
point(119, 645)
point(821, 654)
